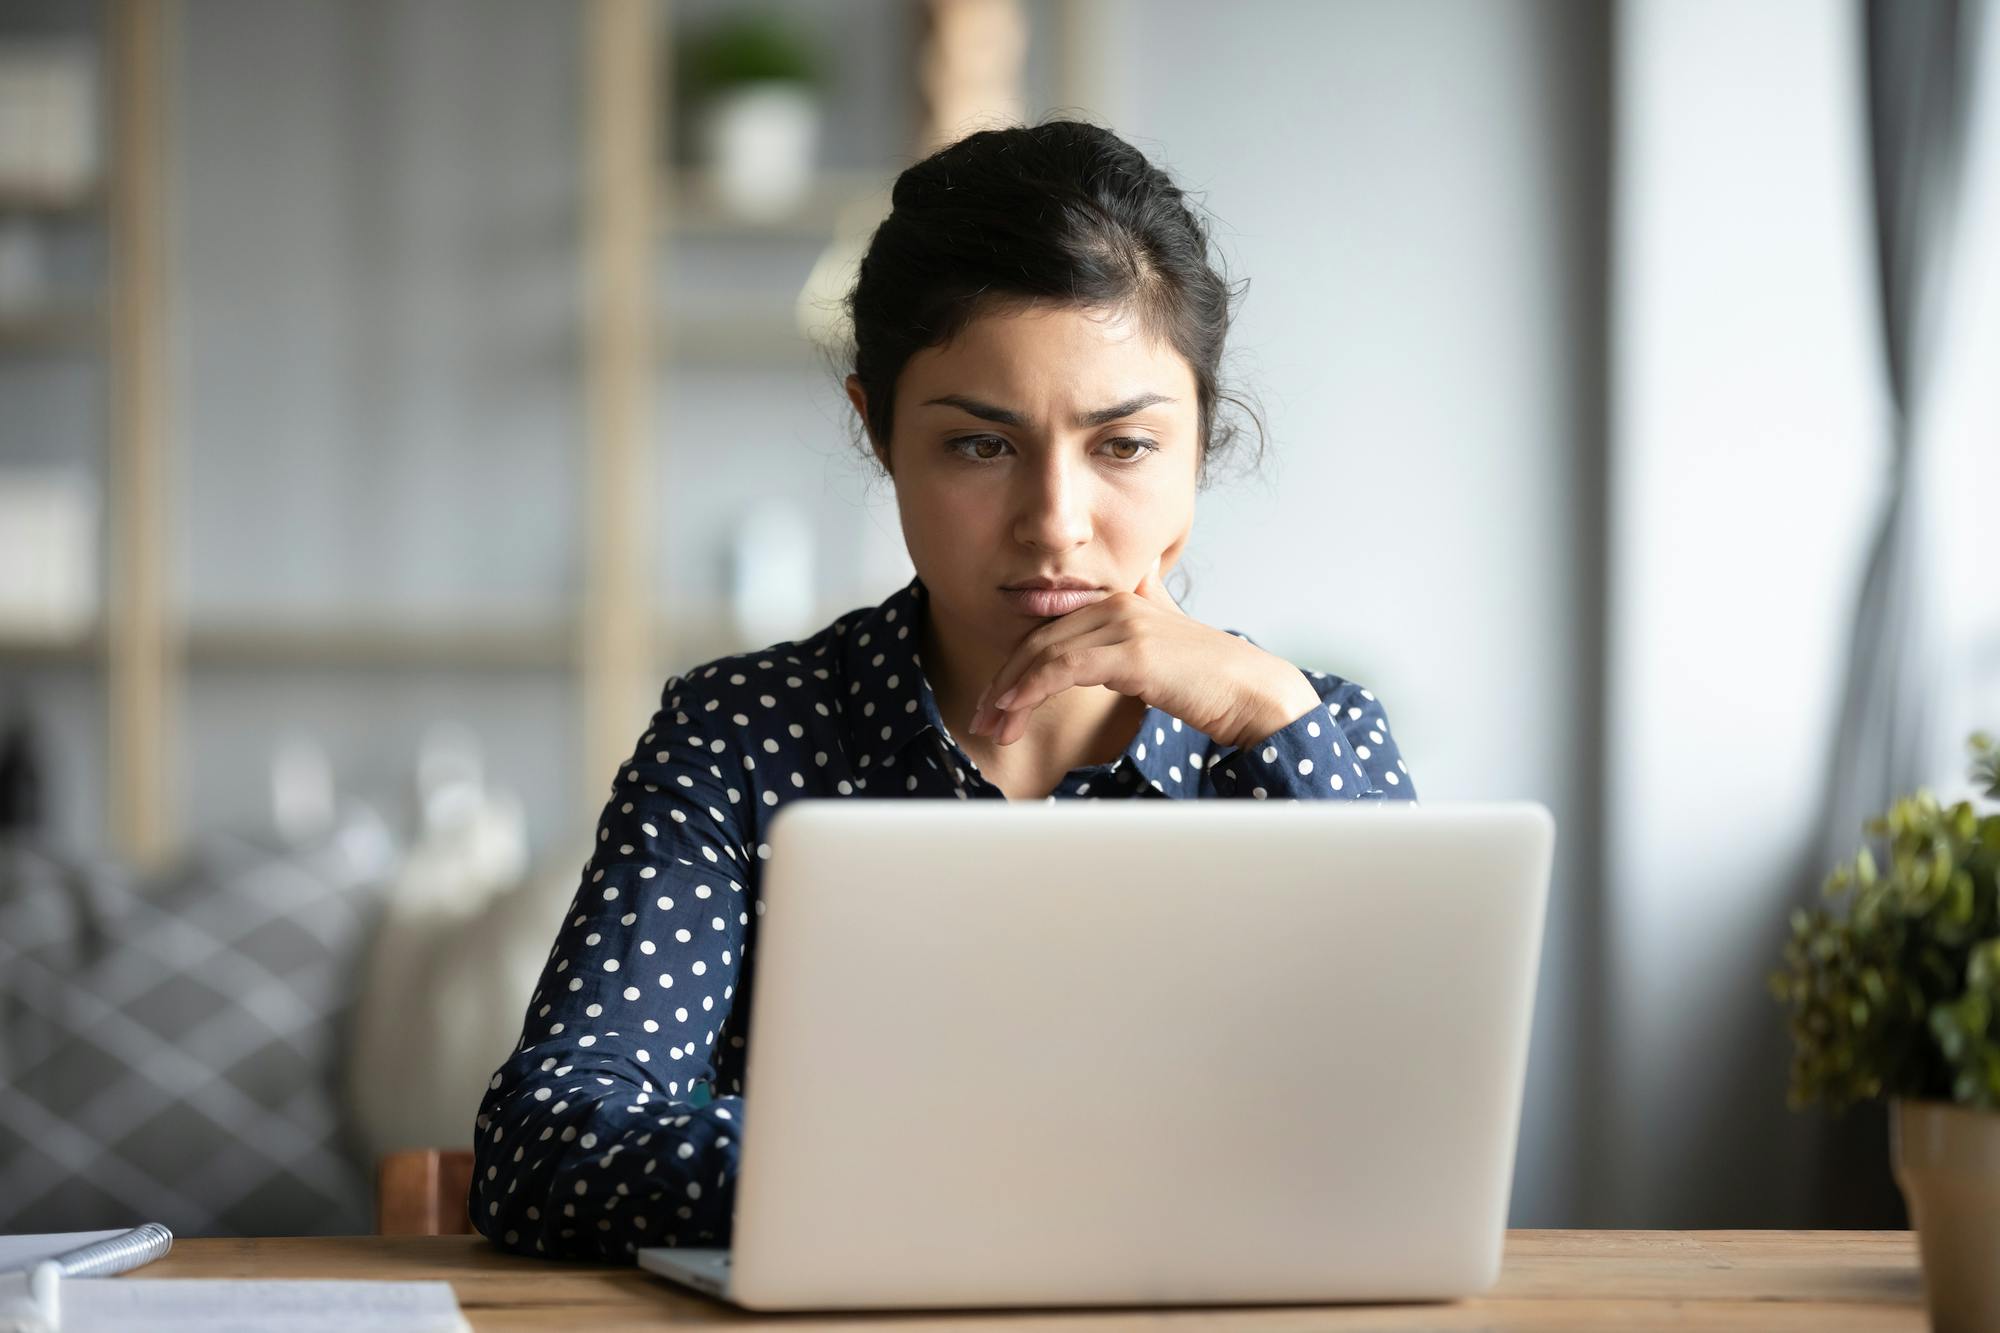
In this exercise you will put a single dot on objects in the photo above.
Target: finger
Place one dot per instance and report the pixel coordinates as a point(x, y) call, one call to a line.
point(1083, 620)
point(990, 717)
point(1091, 660)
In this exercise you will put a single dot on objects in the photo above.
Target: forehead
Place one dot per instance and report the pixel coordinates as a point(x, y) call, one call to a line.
point(1059, 356)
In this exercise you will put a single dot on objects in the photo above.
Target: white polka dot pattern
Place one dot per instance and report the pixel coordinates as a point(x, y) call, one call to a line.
point(617, 1123)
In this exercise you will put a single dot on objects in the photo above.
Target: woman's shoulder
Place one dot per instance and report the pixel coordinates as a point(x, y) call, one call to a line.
point(736, 702)
point(743, 676)
point(800, 678)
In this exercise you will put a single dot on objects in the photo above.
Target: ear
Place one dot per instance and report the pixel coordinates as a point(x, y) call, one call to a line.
point(859, 397)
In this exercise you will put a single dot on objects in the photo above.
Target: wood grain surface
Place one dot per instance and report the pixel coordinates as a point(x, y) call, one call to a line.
point(1824, 1281)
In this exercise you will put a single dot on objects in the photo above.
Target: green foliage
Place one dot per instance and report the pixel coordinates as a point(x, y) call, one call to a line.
point(1900, 996)
point(751, 46)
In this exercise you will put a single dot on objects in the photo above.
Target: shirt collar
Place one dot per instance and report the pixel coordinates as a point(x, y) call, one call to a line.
point(889, 702)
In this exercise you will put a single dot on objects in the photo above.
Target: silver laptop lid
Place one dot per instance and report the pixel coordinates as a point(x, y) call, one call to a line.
point(1135, 1053)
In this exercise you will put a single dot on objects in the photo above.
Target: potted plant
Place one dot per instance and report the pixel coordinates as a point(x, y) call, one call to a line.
point(1898, 997)
point(753, 84)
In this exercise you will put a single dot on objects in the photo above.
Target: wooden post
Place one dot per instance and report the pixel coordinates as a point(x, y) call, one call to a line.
point(621, 105)
point(140, 643)
point(969, 68)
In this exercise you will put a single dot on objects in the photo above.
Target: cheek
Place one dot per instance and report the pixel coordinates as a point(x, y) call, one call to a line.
point(942, 520)
point(1156, 511)
point(943, 500)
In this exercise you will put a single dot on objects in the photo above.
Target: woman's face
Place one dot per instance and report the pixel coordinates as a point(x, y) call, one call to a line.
point(1042, 442)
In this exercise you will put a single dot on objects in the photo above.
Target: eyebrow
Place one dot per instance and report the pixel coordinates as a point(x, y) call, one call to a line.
point(1007, 417)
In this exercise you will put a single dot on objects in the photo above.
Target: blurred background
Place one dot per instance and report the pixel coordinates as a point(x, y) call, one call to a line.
point(394, 392)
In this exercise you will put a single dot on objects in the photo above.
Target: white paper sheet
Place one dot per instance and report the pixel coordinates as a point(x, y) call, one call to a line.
point(221, 1305)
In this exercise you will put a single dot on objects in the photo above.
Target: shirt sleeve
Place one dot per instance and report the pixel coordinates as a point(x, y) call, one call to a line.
point(1339, 749)
point(602, 1132)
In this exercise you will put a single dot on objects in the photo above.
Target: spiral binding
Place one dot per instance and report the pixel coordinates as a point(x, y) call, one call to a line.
point(141, 1245)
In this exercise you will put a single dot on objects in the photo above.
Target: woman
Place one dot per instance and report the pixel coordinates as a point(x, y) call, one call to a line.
point(1037, 334)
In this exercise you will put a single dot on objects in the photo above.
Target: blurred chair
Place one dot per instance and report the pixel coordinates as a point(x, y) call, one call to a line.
point(422, 1192)
point(105, 971)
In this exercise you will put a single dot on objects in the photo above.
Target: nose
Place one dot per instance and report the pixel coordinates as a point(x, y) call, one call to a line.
point(1052, 505)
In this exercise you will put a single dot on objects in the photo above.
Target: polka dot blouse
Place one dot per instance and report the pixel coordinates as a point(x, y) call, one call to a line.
point(618, 1121)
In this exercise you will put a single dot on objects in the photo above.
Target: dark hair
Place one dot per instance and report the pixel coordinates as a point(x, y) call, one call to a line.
point(1062, 212)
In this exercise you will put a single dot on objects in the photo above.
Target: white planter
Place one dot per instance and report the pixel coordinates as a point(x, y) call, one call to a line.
point(760, 142)
point(48, 115)
point(1946, 1160)
point(49, 534)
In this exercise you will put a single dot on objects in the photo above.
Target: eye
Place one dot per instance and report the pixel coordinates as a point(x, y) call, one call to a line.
point(966, 445)
point(957, 447)
point(1141, 448)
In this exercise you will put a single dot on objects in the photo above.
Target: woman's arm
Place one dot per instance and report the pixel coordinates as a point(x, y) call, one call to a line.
point(1339, 749)
point(601, 1133)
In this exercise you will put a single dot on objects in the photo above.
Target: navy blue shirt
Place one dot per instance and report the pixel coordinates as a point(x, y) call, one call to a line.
point(618, 1121)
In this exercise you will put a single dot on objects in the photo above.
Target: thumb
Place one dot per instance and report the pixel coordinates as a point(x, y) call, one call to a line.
point(1153, 590)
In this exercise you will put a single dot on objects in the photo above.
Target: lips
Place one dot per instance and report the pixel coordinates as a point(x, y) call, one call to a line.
point(1042, 581)
point(1045, 601)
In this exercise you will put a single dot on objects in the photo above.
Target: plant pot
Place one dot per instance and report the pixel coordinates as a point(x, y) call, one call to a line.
point(760, 141)
point(1946, 1159)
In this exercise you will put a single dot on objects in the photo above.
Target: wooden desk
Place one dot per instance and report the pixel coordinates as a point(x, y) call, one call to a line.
point(1806, 1280)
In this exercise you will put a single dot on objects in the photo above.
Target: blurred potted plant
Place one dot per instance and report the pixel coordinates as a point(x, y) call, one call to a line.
point(1899, 998)
point(753, 83)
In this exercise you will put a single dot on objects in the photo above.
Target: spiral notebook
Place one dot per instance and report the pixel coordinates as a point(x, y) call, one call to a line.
point(87, 1253)
point(65, 1283)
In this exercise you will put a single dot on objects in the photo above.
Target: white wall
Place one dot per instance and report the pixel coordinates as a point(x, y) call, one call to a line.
point(1746, 451)
point(1412, 192)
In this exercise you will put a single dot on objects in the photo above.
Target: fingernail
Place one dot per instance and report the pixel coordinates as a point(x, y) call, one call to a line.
point(1005, 699)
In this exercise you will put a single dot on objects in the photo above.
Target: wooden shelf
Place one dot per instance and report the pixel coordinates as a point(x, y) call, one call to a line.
point(54, 203)
point(692, 209)
point(681, 638)
point(57, 329)
point(331, 643)
point(32, 646)
point(505, 645)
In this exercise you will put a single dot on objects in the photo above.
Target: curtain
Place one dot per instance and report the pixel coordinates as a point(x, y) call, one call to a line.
point(1920, 66)
point(1919, 76)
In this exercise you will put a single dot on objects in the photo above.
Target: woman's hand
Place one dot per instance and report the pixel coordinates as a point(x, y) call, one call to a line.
point(1142, 644)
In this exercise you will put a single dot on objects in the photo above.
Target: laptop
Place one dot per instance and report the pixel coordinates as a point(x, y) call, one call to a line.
point(1151, 1053)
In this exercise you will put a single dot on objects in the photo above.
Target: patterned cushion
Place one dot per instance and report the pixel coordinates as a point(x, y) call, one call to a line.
point(170, 1050)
